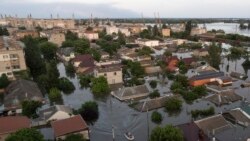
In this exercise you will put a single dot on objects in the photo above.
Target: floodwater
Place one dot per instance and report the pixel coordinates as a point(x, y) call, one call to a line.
point(123, 118)
point(227, 27)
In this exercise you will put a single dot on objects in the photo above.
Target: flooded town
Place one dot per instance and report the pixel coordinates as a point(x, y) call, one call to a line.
point(145, 78)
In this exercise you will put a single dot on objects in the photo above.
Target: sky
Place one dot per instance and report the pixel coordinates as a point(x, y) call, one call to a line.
point(127, 8)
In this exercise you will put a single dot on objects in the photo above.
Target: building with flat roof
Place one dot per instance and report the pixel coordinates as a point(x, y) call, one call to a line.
point(11, 56)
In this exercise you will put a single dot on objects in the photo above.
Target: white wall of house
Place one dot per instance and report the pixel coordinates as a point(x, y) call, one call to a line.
point(111, 29)
point(59, 115)
point(114, 77)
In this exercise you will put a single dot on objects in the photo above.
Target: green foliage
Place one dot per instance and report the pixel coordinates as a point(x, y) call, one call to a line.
point(70, 70)
point(236, 53)
point(55, 95)
point(182, 79)
point(33, 56)
point(153, 84)
point(4, 81)
point(135, 81)
point(145, 51)
point(95, 53)
point(154, 94)
point(66, 85)
point(156, 117)
point(121, 38)
point(146, 34)
point(85, 80)
point(102, 33)
point(156, 31)
point(48, 50)
point(81, 45)
point(136, 69)
point(52, 75)
point(71, 36)
point(173, 105)
point(167, 133)
point(168, 53)
point(214, 58)
point(182, 67)
point(89, 28)
point(100, 86)
point(202, 113)
point(89, 111)
point(235, 37)
point(243, 26)
point(26, 134)
point(200, 90)
point(75, 137)
point(29, 108)
point(108, 45)
point(176, 86)
point(68, 43)
point(22, 28)
point(4, 31)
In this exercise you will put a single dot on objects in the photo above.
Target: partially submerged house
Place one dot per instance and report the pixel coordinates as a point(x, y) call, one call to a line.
point(72, 125)
point(11, 124)
point(56, 112)
point(19, 91)
point(84, 63)
point(66, 54)
point(130, 93)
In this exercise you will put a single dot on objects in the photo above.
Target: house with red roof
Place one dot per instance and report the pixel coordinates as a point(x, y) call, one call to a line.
point(11, 124)
point(72, 125)
point(172, 63)
point(84, 63)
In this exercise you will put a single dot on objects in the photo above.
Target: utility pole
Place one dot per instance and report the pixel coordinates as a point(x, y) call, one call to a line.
point(113, 129)
point(147, 120)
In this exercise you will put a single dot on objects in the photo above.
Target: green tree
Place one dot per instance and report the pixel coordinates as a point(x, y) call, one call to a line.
point(188, 28)
point(85, 80)
point(182, 79)
point(145, 51)
point(70, 69)
point(89, 28)
point(75, 137)
point(66, 85)
point(4, 81)
point(146, 34)
point(71, 36)
point(33, 57)
point(55, 95)
point(96, 54)
point(182, 67)
point(214, 58)
point(235, 54)
point(68, 43)
point(154, 94)
point(168, 53)
point(26, 134)
point(48, 50)
point(4, 31)
point(153, 84)
point(89, 111)
point(81, 46)
point(173, 105)
point(100, 86)
point(136, 69)
point(167, 133)
point(156, 31)
point(121, 38)
point(156, 117)
point(29, 108)
point(52, 74)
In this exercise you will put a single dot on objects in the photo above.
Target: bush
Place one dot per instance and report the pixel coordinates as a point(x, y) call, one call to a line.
point(166, 133)
point(153, 84)
point(100, 86)
point(89, 111)
point(66, 85)
point(29, 108)
point(85, 80)
point(154, 94)
point(156, 117)
point(70, 69)
point(4, 81)
point(26, 134)
point(202, 113)
point(55, 95)
point(173, 105)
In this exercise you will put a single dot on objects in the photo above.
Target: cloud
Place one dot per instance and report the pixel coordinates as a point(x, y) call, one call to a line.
point(130, 8)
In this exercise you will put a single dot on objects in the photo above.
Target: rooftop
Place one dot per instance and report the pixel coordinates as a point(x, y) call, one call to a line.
point(11, 124)
point(109, 68)
point(69, 125)
point(7, 43)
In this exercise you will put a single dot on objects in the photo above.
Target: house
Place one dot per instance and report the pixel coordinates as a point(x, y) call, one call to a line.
point(125, 31)
point(19, 91)
point(200, 52)
point(72, 125)
point(147, 42)
point(152, 70)
point(178, 27)
point(11, 57)
point(189, 62)
point(191, 132)
point(19, 34)
point(172, 63)
point(113, 73)
point(11, 124)
point(66, 54)
point(55, 36)
point(237, 116)
point(112, 29)
point(165, 32)
point(198, 31)
point(104, 55)
point(209, 76)
point(238, 75)
point(56, 112)
point(91, 36)
point(84, 63)
point(131, 93)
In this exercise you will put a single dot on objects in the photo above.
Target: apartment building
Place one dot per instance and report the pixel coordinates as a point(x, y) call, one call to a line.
point(19, 34)
point(166, 32)
point(198, 31)
point(11, 56)
point(54, 36)
point(147, 42)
